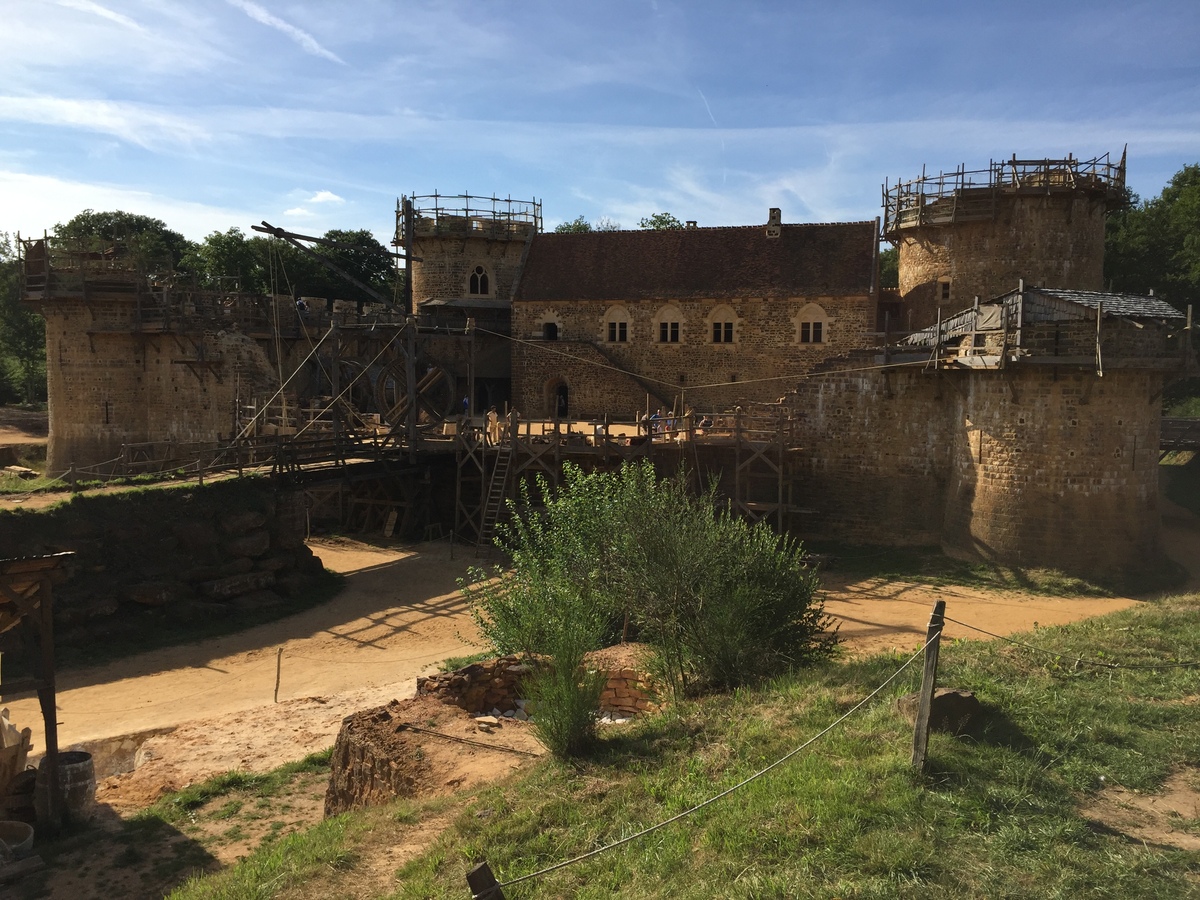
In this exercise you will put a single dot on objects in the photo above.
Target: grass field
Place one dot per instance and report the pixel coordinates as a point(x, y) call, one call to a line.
point(997, 815)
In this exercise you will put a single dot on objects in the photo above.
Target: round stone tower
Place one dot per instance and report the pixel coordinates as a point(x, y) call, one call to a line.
point(466, 248)
point(965, 234)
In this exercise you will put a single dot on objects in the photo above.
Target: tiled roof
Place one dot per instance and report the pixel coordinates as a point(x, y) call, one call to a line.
point(1132, 306)
point(700, 263)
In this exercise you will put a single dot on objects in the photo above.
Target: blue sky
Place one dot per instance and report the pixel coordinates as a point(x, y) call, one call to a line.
point(211, 114)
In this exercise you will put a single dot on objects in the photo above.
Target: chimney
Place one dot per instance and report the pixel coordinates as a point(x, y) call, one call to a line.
point(774, 222)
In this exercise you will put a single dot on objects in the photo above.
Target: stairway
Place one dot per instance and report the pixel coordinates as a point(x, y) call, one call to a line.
point(495, 498)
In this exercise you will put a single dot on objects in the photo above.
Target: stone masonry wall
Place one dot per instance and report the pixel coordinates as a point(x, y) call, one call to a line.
point(873, 459)
point(1028, 466)
point(1054, 240)
point(766, 346)
point(448, 262)
point(1055, 470)
point(109, 385)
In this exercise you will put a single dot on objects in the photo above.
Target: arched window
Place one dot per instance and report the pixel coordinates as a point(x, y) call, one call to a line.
point(723, 325)
point(812, 325)
point(479, 283)
point(615, 326)
point(668, 325)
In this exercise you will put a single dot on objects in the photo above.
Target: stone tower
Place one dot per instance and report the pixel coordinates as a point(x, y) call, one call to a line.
point(964, 234)
point(466, 248)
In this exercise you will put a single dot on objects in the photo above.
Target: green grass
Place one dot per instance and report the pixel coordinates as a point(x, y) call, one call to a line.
point(997, 815)
point(451, 663)
point(176, 807)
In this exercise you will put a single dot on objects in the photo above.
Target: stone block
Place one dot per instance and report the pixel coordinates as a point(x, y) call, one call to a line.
point(236, 585)
point(252, 544)
point(242, 521)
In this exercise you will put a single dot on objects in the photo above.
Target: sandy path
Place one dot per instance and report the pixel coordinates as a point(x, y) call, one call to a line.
point(398, 615)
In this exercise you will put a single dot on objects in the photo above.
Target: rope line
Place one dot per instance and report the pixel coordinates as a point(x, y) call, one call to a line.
point(1077, 659)
point(539, 345)
point(386, 346)
point(727, 791)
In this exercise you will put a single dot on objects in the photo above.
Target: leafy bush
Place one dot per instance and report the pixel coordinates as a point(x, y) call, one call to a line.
point(722, 602)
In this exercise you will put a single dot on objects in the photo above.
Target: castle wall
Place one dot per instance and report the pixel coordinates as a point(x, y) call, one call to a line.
point(1055, 470)
point(1051, 240)
point(109, 385)
point(873, 458)
point(449, 260)
point(766, 346)
point(1028, 467)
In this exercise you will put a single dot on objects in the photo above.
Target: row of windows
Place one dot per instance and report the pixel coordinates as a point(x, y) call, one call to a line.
point(721, 325)
point(617, 332)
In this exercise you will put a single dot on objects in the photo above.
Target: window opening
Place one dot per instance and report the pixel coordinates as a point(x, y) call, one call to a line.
point(944, 290)
point(812, 332)
point(550, 331)
point(668, 332)
point(618, 332)
point(479, 281)
point(722, 332)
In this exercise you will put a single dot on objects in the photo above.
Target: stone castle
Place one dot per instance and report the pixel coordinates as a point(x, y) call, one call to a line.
point(999, 403)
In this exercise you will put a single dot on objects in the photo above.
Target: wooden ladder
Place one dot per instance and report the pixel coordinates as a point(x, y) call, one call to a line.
point(495, 498)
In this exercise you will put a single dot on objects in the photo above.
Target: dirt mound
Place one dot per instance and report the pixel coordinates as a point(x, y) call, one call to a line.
point(420, 747)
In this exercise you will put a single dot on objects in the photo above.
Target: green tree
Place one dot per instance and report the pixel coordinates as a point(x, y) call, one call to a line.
point(662, 221)
point(151, 242)
point(578, 225)
point(225, 255)
point(22, 335)
point(1155, 244)
point(889, 268)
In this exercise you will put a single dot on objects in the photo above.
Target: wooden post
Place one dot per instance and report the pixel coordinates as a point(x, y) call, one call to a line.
point(278, 669)
point(933, 640)
point(71, 478)
point(483, 883)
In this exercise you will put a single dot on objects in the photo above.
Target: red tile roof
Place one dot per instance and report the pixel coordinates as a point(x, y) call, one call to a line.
point(700, 263)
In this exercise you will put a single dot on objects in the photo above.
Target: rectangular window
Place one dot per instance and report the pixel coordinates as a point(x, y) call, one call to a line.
point(817, 328)
point(668, 332)
point(722, 332)
point(806, 332)
point(812, 332)
point(944, 291)
point(618, 332)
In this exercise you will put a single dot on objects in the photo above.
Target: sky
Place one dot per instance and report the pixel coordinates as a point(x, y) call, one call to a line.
point(213, 114)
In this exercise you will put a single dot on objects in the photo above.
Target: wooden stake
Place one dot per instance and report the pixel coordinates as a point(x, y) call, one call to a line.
point(933, 640)
point(278, 669)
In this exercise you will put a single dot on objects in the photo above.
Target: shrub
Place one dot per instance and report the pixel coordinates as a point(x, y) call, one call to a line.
point(722, 602)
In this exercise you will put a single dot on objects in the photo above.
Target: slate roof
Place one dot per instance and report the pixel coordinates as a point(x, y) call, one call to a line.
point(1132, 306)
point(700, 263)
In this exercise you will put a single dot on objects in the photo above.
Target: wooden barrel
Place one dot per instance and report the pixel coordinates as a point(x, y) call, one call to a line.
point(77, 788)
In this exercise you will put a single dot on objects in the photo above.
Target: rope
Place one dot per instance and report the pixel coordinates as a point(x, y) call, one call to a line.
point(1077, 659)
point(727, 791)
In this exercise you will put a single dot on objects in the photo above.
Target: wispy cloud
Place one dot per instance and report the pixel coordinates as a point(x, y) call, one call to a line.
point(306, 41)
point(299, 212)
point(103, 12)
point(325, 197)
point(145, 126)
